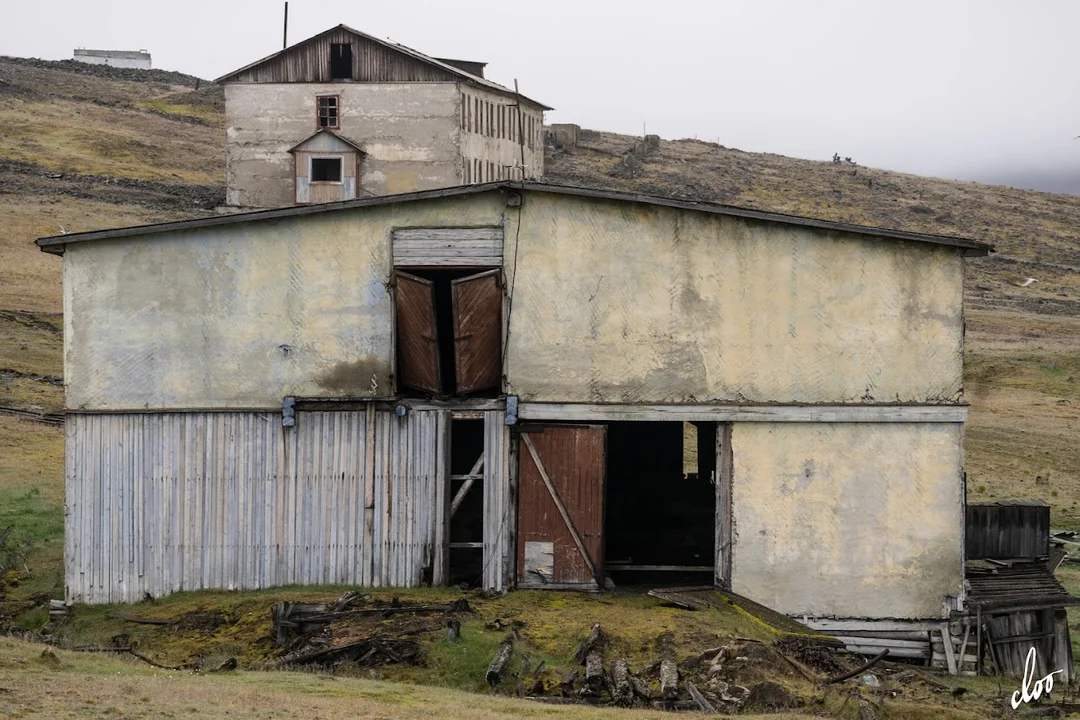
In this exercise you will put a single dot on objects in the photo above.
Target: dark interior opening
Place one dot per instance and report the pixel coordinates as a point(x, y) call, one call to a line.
point(467, 522)
point(326, 169)
point(444, 331)
point(660, 518)
point(340, 61)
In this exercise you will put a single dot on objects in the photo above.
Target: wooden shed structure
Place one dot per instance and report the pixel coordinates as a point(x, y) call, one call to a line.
point(499, 384)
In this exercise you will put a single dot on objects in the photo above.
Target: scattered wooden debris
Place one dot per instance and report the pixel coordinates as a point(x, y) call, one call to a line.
point(499, 662)
point(365, 652)
point(594, 639)
point(594, 674)
point(622, 690)
point(116, 615)
point(704, 705)
point(669, 679)
point(862, 668)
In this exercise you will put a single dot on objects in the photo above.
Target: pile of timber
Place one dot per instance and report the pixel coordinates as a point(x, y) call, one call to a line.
point(301, 619)
point(936, 643)
point(365, 652)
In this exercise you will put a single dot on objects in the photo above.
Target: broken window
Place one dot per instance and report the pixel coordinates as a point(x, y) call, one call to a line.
point(326, 169)
point(340, 61)
point(449, 331)
point(328, 111)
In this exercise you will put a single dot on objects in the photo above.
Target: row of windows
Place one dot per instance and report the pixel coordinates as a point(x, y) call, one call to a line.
point(477, 116)
point(481, 171)
point(499, 121)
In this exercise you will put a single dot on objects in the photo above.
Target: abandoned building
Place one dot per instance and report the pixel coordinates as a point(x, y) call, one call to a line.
point(518, 385)
point(137, 59)
point(345, 115)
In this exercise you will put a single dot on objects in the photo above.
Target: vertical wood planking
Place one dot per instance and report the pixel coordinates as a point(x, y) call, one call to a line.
point(165, 502)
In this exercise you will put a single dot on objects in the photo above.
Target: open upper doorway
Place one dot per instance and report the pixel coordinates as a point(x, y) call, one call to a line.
point(449, 331)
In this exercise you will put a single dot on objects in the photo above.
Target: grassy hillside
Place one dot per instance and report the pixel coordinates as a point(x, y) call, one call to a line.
point(1023, 343)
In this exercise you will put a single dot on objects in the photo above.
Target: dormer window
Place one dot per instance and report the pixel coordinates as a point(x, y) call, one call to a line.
point(340, 61)
point(328, 111)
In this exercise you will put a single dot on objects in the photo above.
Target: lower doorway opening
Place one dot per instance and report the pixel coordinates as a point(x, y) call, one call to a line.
point(467, 502)
point(660, 520)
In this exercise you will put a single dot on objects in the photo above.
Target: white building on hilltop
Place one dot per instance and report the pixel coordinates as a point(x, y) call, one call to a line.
point(137, 59)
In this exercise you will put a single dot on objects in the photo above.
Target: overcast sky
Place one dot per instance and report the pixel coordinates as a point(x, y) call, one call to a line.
point(981, 90)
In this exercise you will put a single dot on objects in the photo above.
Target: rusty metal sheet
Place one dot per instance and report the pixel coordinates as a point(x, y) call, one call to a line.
point(574, 458)
point(478, 331)
point(417, 338)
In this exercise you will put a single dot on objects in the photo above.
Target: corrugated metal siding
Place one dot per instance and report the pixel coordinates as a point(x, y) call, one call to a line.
point(310, 62)
point(499, 503)
point(158, 503)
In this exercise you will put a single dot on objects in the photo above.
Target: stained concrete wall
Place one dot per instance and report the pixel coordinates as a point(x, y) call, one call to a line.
point(611, 303)
point(848, 520)
point(409, 132)
point(616, 302)
point(502, 148)
point(239, 316)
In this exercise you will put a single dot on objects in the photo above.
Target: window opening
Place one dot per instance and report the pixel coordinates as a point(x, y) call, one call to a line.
point(326, 169)
point(328, 111)
point(660, 521)
point(340, 61)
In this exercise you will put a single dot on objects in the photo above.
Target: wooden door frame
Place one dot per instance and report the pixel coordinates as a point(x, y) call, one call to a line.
point(724, 516)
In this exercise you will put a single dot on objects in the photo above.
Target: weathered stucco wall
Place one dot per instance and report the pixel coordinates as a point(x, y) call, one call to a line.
point(832, 519)
point(486, 139)
point(238, 316)
point(409, 132)
point(616, 302)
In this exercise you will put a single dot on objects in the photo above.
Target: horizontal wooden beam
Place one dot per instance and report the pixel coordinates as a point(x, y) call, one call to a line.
point(744, 413)
point(660, 568)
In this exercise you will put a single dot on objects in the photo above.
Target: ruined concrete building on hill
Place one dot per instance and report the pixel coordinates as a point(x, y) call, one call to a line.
point(345, 115)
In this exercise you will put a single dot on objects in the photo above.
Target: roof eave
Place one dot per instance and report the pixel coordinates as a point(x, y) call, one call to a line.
point(968, 247)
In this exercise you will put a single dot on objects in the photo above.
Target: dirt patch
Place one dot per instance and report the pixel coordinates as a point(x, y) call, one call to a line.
point(19, 178)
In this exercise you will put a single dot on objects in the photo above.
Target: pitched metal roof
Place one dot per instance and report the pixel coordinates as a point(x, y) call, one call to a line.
point(1014, 584)
point(56, 243)
point(415, 54)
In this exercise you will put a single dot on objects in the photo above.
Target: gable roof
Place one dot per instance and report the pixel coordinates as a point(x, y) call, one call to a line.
point(326, 133)
point(56, 243)
point(450, 70)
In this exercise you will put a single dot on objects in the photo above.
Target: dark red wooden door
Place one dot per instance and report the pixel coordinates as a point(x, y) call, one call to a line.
point(478, 331)
point(573, 458)
point(417, 340)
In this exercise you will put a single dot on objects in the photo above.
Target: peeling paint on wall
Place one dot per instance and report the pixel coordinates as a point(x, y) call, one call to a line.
point(834, 519)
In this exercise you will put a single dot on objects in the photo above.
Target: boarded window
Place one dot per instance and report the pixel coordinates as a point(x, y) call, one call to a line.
point(326, 169)
point(340, 61)
point(328, 111)
point(417, 338)
point(563, 467)
point(478, 331)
